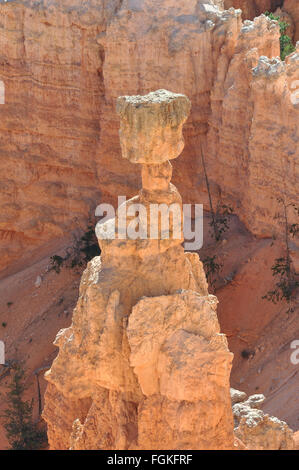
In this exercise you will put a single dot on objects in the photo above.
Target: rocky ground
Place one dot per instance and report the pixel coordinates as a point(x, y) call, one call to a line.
point(33, 310)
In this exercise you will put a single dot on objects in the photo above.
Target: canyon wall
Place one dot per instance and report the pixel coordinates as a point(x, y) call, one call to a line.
point(63, 65)
point(254, 109)
point(51, 67)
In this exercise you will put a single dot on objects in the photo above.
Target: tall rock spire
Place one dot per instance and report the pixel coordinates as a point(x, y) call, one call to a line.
point(143, 365)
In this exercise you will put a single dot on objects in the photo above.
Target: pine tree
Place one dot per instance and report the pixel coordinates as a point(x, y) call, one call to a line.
point(21, 431)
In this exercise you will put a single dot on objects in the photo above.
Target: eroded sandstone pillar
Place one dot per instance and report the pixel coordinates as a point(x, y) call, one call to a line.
point(143, 365)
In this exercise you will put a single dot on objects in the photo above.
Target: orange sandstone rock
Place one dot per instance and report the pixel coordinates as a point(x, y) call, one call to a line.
point(145, 345)
point(259, 431)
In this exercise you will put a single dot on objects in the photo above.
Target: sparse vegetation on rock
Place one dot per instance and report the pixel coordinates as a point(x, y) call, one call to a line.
point(83, 250)
point(286, 45)
point(21, 430)
point(220, 216)
point(212, 269)
point(282, 269)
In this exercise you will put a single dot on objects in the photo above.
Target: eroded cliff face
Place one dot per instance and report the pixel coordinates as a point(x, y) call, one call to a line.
point(51, 67)
point(255, 109)
point(61, 148)
point(143, 365)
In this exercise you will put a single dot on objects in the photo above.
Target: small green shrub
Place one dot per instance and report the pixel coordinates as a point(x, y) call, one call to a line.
point(286, 285)
point(286, 45)
point(22, 433)
point(212, 269)
point(220, 223)
point(83, 250)
point(57, 263)
point(246, 354)
point(287, 279)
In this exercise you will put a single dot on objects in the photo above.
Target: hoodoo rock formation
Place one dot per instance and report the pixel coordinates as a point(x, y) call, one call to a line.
point(143, 365)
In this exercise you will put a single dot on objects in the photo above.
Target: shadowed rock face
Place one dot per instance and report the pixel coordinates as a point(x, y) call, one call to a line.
point(291, 7)
point(288, 10)
point(144, 349)
point(253, 8)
